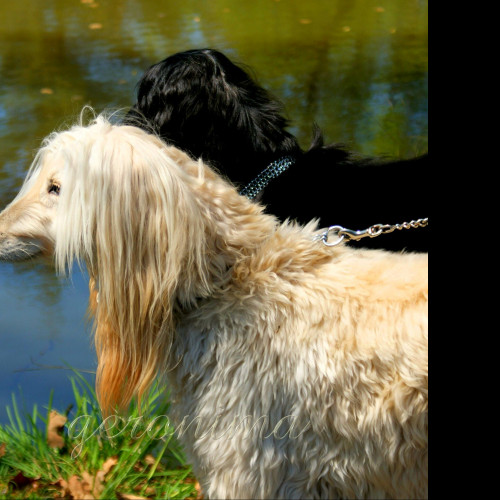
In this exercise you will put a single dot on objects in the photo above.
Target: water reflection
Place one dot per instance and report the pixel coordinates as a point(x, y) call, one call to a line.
point(356, 67)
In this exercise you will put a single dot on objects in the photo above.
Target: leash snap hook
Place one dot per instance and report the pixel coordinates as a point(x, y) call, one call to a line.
point(352, 234)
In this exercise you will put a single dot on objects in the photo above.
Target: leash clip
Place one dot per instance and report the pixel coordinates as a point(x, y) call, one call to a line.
point(352, 234)
point(349, 234)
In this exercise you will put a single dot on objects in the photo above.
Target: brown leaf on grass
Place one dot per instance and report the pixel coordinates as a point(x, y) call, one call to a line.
point(95, 483)
point(87, 486)
point(54, 429)
point(98, 481)
point(2, 449)
point(80, 488)
point(76, 488)
point(109, 464)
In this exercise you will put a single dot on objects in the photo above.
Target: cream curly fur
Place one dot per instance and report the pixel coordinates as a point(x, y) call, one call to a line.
point(296, 370)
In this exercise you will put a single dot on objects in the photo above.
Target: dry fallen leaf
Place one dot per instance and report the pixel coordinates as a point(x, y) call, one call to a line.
point(98, 480)
point(109, 464)
point(77, 488)
point(2, 449)
point(87, 486)
point(80, 488)
point(95, 483)
point(54, 429)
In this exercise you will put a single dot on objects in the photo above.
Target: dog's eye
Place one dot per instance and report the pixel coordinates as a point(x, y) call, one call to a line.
point(54, 188)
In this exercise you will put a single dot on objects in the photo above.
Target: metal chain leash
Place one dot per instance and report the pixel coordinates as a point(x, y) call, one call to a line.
point(373, 231)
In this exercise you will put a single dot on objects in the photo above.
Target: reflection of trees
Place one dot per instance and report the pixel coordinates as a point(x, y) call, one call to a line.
point(359, 73)
point(343, 64)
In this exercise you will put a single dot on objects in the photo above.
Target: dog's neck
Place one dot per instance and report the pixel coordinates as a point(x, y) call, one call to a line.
point(233, 228)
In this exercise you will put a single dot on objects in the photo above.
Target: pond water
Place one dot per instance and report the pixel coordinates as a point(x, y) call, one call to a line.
point(358, 68)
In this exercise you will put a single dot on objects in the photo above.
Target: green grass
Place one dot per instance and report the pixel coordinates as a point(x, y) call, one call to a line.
point(143, 456)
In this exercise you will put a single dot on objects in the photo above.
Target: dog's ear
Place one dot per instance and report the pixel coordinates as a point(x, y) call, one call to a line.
point(128, 213)
point(141, 235)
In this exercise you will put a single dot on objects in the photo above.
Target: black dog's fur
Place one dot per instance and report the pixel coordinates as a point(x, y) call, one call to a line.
point(206, 105)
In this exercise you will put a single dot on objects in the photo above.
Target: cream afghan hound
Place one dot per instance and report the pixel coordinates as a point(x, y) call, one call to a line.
point(296, 370)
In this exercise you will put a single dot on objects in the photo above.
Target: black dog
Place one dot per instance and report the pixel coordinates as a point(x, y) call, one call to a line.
point(206, 105)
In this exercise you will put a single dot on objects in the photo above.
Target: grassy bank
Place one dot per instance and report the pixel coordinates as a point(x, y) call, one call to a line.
point(74, 454)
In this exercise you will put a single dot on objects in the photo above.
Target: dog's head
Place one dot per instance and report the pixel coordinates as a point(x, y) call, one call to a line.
point(87, 183)
point(26, 224)
point(206, 105)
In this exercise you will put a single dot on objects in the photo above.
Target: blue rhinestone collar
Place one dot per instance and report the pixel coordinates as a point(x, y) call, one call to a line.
point(272, 171)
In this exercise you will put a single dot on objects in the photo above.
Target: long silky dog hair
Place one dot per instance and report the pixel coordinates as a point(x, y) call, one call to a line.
point(204, 104)
point(254, 323)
